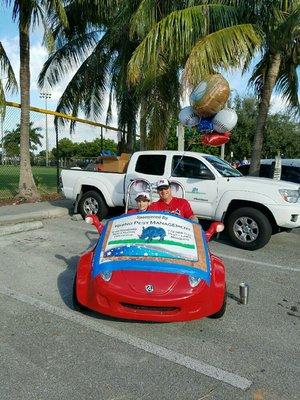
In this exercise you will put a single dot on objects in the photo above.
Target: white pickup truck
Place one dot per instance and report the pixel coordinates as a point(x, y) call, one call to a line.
point(252, 209)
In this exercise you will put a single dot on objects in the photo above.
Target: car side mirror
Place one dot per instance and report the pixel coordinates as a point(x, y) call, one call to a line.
point(215, 227)
point(93, 219)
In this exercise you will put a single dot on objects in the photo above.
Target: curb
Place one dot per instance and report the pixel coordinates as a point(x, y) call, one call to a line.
point(17, 228)
point(33, 216)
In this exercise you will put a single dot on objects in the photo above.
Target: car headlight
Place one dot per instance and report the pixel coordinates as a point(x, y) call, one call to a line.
point(106, 275)
point(291, 196)
point(194, 281)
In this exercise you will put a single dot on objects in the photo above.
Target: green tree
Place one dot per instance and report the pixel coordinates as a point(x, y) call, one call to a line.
point(11, 140)
point(281, 132)
point(204, 36)
point(29, 13)
point(66, 149)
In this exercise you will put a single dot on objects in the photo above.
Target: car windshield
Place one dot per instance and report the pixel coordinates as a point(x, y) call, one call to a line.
point(223, 167)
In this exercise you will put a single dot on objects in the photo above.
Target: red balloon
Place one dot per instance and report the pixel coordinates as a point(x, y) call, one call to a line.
point(215, 139)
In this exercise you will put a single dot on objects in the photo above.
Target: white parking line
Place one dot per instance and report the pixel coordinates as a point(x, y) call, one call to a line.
point(246, 260)
point(170, 355)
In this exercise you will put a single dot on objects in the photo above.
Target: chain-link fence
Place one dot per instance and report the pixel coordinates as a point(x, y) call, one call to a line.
point(50, 150)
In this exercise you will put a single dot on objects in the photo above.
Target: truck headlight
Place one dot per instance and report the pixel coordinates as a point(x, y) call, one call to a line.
point(291, 196)
point(194, 281)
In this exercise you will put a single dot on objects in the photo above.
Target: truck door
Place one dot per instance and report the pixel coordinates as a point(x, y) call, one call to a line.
point(200, 183)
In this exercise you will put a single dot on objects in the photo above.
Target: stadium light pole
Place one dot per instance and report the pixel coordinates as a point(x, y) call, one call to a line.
point(46, 96)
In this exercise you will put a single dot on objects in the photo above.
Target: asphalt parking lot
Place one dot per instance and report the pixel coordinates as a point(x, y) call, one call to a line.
point(49, 351)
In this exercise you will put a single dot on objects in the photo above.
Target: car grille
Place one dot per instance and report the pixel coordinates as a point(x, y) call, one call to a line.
point(150, 308)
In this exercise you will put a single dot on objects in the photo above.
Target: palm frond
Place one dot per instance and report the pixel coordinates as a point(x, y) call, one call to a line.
point(149, 13)
point(177, 34)
point(87, 88)
point(66, 58)
point(226, 48)
point(288, 85)
point(6, 69)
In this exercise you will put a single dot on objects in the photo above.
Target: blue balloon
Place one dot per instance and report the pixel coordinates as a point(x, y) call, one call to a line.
point(205, 125)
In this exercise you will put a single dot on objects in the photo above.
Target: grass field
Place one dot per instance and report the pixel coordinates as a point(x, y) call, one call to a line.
point(45, 179)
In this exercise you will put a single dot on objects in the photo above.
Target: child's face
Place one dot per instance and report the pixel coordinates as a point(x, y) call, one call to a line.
point(142, 204)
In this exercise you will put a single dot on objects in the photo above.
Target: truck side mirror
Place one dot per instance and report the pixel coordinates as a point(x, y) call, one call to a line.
point(206, 174)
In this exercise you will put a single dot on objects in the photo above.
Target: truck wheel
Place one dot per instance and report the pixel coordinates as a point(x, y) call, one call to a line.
point(248, 228)
point(91, 202)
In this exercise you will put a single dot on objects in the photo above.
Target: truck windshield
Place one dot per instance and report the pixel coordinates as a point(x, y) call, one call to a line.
point(223, 167)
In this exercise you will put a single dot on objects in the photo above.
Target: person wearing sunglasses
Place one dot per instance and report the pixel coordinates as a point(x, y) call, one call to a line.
point(168, 203)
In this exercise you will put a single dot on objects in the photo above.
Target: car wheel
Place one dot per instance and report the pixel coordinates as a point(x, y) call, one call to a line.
point(248, 228)
point(77, 306)
point(222, 310)
point(91, 202)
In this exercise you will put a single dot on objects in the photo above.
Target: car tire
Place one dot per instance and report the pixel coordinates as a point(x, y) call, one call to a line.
point(91, 202)
point(248, 228)
point(77, 306)
point(221, 312)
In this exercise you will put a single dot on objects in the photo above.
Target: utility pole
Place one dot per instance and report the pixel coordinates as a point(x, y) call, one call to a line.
point(46, 96)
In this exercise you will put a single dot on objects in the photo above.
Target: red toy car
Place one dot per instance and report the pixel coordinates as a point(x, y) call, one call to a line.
point(151, 266)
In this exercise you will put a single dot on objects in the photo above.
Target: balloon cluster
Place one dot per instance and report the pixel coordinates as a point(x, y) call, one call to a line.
point(206, 111)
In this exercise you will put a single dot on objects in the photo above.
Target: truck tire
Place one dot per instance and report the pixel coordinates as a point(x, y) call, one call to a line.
point(91, 202)
point(248, 228)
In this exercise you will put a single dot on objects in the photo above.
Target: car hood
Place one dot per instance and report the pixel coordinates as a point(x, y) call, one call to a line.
point(253, 182)
point(162, 283)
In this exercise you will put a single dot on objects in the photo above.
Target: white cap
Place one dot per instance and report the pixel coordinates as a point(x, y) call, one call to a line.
point(162, 182)
point(143, 194)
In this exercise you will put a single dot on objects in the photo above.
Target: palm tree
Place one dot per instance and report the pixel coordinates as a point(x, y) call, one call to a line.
point(205, 36)
point(28, 14)
point(101, 45)
point(98, 46)
point(280, 56)
point(12, 139)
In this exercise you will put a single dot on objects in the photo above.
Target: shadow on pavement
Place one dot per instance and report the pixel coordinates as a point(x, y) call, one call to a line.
point(66, 278)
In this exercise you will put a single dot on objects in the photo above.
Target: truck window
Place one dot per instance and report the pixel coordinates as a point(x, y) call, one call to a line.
point(151, 164)
point(190, 167)
point(223, 167)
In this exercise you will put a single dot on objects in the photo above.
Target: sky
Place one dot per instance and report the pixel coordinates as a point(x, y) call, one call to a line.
point(10, 41)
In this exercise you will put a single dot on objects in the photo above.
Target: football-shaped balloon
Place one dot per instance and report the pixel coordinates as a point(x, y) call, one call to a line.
point(187, 117)
point(225, 120)
point(215, 139)
point(205, 125)
point(210, 95)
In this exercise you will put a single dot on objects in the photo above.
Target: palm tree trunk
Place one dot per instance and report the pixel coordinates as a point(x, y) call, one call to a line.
point(143, 124)
point(130, 138)
point(27, 187)
point(270, 80)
